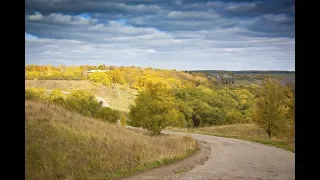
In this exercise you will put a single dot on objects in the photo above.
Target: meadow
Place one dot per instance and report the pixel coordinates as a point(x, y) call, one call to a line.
point(62, 144)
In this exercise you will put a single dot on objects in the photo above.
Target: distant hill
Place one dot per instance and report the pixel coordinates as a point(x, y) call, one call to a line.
point(244, 71)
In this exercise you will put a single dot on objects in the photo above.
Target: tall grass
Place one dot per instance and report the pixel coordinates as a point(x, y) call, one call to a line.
point(65, 145)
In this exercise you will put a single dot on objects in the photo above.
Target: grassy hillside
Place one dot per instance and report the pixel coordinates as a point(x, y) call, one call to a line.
point(64, 145)
point(249, 132)
point(118, 96)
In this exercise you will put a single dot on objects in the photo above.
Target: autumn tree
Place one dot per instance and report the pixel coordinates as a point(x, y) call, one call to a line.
point(101, 77)
point(271, 110)
point(117, 76)
point(291, 112)
point(155, 108)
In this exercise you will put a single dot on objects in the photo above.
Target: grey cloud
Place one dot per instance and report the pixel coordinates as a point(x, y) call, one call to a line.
point(193, 15)
point(277, 17)
point(76, 6)
point(242, 6)
point(186, 34)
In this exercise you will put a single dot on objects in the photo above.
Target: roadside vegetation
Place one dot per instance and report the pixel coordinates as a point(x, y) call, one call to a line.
point(63, 144)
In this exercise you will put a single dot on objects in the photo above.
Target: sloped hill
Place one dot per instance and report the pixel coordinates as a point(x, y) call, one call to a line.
point(65, 145)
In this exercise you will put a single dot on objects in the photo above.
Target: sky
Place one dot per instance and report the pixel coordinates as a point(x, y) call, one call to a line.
point(169, 34)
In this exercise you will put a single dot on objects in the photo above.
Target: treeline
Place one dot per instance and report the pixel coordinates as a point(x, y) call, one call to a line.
point(242, 75)
point(136, 78)
point(159, 106)
point(78, 100)
point(244, 72)
point(192, 107)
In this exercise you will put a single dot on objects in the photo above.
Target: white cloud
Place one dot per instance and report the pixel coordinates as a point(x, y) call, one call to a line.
point(275, 53)
point(242, 6)
point(58, 18)
point(35, 17)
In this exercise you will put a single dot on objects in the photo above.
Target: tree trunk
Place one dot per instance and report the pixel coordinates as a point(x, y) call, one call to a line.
point(269, 133)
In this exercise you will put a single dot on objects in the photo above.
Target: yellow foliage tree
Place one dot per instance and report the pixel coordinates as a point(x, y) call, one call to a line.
point(271, 110)
point(100, 77)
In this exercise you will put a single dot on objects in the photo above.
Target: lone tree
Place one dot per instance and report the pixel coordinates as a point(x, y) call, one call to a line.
point(271, 109)
point(155, 108)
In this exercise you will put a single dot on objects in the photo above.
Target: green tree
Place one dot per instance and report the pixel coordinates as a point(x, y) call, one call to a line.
point(156, 108)
point(270, 110)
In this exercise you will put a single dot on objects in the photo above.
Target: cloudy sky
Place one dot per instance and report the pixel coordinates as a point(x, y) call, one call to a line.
point(180, 34)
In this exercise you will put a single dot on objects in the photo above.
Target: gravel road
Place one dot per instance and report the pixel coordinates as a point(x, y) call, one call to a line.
point(227, 159)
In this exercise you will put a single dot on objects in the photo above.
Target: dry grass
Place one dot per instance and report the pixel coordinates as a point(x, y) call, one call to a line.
point(249, 132)
point(118, 96)
point(246, 130)
point(64, 145)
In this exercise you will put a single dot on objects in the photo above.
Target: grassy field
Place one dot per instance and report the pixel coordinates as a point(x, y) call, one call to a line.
point(118, 96)
point(65, 145)
point(249, 132)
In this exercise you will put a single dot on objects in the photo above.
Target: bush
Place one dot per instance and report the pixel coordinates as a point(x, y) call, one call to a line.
point(234, 117)
point(35, 94)
point(108, 114)
point(79, 100)
point(57, 96)
point(84, 102)
point(123, 119)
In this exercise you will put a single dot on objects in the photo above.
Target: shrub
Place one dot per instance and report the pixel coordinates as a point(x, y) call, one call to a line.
point(57, 96)
point(108, 114)
point(123, 119)
point(35, 94)
point(83, 101)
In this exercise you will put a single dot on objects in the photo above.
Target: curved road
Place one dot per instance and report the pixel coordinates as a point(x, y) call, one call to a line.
point(229, 159)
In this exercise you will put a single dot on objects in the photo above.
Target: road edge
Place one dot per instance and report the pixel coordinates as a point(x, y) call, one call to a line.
point(174, 170)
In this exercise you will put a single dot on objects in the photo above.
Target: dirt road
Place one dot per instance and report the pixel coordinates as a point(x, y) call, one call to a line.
point(228, 159)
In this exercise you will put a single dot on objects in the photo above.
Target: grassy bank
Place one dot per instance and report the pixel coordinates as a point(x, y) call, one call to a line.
point(64, 145)
point(118, 96)
point(249, 132)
